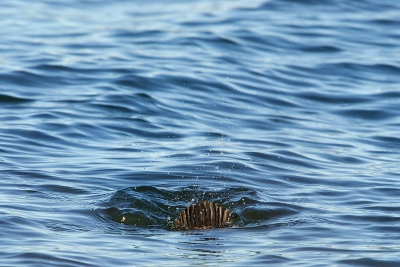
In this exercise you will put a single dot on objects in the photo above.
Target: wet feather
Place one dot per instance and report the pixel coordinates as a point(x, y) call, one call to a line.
point(204, 215)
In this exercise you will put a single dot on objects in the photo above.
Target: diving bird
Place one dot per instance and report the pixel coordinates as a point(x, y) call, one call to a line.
point(203, 215)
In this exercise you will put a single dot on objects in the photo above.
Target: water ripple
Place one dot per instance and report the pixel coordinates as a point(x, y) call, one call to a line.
point(113, 120)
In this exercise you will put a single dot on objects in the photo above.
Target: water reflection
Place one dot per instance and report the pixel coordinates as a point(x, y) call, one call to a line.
point(199, 246)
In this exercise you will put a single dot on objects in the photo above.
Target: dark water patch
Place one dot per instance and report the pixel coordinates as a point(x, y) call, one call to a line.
point(389, 95)
point(366, 115)
point(384, 228)
point(113, 108)
point(30, 79)
point(385, 22)
point(139, 36)
point(138, 82)
point(369, 262)
point(60, 191)
point(321, 49)
point(386, 69)
point(87, 45)
point(325, 98)
point(57, 68)
point(7, 99)
point(388, 142)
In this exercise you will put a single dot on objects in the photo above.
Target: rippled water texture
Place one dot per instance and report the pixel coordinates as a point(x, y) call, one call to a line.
point(115, 115)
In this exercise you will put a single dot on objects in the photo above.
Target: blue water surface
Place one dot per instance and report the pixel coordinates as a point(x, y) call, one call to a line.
point(115, 115)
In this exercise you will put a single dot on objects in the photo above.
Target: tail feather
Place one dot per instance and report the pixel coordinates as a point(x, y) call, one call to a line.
point(204, 215)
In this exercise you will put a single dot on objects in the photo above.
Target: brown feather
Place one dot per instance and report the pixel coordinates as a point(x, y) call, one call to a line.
point(212, 213)
point(191, 217)
point(198, 214)
point(203, 215)
point(220, 216)
point(217, 219)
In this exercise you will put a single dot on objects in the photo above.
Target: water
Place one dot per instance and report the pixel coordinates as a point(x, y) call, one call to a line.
point(117, 114)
